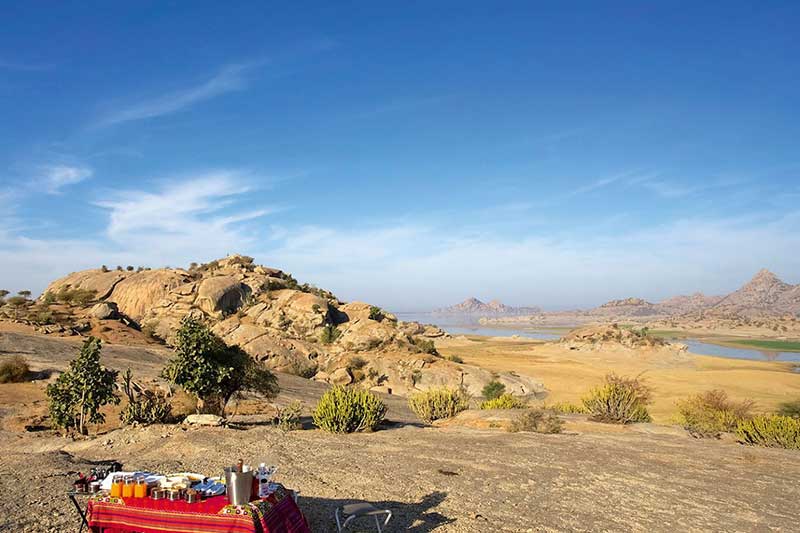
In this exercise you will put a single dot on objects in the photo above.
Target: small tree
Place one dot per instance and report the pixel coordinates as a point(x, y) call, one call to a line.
point(212, 372)
point(25, 294)
point(78, 394)
point(3, 294)
point(129, 268)
point(493, 390)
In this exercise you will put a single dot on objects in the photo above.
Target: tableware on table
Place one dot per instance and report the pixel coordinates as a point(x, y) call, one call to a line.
point(192, 496)
point(158, 494)
point(174, 495)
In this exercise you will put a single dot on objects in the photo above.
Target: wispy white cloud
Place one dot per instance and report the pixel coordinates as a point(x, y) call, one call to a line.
point(230, 78)
point(56, 177)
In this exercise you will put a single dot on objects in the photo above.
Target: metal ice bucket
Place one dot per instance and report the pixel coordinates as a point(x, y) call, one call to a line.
point(239, 485)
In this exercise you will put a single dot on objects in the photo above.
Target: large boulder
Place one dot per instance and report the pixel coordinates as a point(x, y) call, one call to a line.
point(220, 295)
point(104, 311)
point(140, 292)
point(102, 283)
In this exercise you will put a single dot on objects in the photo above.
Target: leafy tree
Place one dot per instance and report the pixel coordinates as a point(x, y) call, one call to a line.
point(49, 298)
point(129, 268)
point(212, 372)
point(17, 302)
point(25, 294)
point(104, 268)
point(78, 394)
point(3, 293)
point(330, 333)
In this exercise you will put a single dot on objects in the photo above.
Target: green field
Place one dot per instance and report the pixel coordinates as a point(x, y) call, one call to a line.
point(772, 345)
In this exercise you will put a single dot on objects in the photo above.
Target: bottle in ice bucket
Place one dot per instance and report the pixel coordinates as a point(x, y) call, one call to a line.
point(140, 490)
point(127, 488)
point(116, 486)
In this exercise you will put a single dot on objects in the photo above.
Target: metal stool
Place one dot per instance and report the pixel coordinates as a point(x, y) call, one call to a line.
point(356, 510)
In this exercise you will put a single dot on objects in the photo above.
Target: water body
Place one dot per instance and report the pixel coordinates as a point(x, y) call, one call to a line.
point(461, 325)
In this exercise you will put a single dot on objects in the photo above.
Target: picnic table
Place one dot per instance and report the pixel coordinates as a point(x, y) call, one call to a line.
point(277, 514)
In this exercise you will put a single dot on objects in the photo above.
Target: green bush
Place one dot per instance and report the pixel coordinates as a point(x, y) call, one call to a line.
point(619, 401)
point(710, 414)
point(566, 408)
point(144, 407)
point(505, 401)
point(791, 408)
point(773, 431)
point(348, 409)
point(214, 373)
point(78, 394)
point(537, 421)
point(330, 333)
point(289, 418)
point(436, 404)
point(493, 389)
point(455, 359)
point(425, 346)
point(15, 370)
point(375, 313)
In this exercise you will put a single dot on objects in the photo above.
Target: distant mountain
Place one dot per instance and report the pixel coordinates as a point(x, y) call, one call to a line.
point(473, 306)
point(765, 294)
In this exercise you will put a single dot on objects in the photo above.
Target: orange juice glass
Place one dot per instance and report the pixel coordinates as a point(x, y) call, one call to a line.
point(140, 491)
point(116, 486)
point(127, 488)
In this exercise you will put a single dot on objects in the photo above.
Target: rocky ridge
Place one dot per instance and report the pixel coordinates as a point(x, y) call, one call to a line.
point(473, 306)
point(294, 328)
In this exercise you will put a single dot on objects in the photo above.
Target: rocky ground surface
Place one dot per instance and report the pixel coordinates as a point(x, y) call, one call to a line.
point(441, 479)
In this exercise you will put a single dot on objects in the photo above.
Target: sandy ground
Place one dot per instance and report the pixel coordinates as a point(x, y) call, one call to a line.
point(450, 479)
point(568, 374)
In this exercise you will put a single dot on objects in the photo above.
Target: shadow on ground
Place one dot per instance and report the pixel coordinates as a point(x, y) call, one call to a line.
point(413, 517)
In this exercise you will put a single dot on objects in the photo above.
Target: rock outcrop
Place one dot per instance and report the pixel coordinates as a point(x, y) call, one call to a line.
point(292, 327)
point(473, 306)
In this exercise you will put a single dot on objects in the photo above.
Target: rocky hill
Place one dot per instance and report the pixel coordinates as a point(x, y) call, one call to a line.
point(294, 328)
point(473, 306)
point(765, 294)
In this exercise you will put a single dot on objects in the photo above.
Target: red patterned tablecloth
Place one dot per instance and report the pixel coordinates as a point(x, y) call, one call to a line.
point(277, 514)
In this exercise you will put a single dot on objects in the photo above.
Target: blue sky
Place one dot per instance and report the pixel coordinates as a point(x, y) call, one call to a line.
point(556, 154)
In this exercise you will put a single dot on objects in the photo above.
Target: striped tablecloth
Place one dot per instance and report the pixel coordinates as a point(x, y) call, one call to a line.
point(277, 514)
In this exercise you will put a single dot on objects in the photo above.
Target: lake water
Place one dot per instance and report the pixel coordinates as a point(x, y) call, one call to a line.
point(459, 325)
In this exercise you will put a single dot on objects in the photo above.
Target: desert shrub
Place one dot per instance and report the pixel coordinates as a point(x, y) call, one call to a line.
point(425, 346)
point(42, 316)
point(712, 413)
point(791, 409)
point(436, 404)
point(214, 373)
point(619, 400)
point(48, 298)
point(347, 409)
point(78, 394)
point(130, 268)
point(455, 359)
point(504, 401)
point(773, 431)
point(288, 418)
point(103, 268)
point(79, 297)
point(330, 333)
point(15, 370)
point(566, 408)
point(145, 406)
point(375, 313)
point(493, 389)
point(302, 368)
point(537, 421)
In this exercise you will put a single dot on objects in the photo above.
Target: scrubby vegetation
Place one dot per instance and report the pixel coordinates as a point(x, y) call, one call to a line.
point(492, 390)
point(537, 421)
point(78, 394)
point(376, 313)
point(712, 413)
point(504, 401)
point(619, 400)
point(144, 406)
point(566, 408)
point(455, 359)
point(212, 372)
point(79, 297)
point(329, 334)
point(348, 409)
point(425, 346)
point(791, 409)
point(14, 370)
point(436, 404)
point(773, 431)
point(289, 418)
